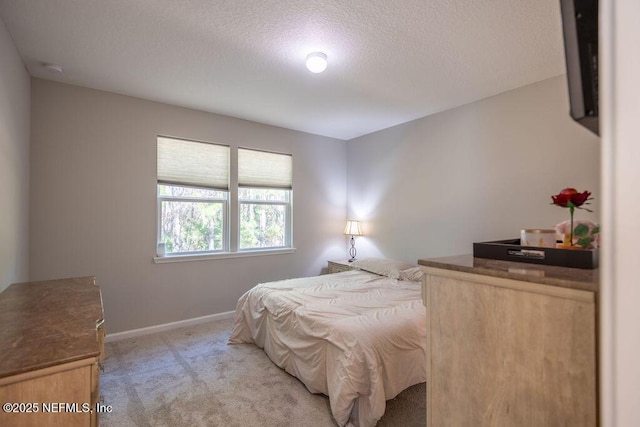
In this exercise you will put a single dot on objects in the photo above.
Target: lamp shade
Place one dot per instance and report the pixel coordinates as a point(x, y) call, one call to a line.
point(352, 228)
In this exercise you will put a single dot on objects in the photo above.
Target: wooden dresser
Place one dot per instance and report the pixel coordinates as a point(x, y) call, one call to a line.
point(51, 343)
point(510, 344)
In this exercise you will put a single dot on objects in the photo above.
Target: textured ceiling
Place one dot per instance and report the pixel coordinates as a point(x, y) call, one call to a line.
point(389, 61)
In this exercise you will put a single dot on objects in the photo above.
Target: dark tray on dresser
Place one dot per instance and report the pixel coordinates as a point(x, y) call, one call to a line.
point(511, 250)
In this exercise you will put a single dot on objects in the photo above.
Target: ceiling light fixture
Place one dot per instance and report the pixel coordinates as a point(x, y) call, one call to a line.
point(317, 62)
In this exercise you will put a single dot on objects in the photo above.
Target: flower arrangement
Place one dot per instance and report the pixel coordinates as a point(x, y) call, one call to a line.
point(585, 234)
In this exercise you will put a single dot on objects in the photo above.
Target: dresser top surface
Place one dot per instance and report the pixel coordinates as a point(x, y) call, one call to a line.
point(48, 323)
point(574, 278)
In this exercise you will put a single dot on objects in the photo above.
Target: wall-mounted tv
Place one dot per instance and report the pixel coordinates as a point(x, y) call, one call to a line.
point(580, 29)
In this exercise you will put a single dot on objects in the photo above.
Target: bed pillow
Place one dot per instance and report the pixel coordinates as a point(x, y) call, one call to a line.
point(413, 274)
point(383, 267)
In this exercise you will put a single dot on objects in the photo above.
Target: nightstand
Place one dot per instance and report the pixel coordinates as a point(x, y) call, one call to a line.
point(339, 266)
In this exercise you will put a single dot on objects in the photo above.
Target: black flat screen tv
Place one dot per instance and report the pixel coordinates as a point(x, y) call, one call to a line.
point(580, 30)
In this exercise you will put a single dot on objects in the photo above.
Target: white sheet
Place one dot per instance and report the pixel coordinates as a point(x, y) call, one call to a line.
point(356, 337)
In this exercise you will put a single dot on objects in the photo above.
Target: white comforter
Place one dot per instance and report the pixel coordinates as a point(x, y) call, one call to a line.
point(357, 337)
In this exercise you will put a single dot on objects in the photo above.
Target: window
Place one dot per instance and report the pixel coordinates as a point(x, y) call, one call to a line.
point(193, 194)
point(192, 219)
point(264, 218)
point(264, 199)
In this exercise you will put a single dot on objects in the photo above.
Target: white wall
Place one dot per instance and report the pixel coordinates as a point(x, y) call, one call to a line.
point(14, 163)
point(483, 171)
point(620, 290)
point(93, 199)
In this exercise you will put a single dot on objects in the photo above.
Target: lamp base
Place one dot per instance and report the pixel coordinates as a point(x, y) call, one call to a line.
point(352, 250)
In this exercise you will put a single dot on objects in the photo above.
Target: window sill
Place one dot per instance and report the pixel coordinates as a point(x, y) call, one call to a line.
point(220, 255)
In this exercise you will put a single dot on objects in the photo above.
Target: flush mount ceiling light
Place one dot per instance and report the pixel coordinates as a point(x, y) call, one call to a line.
point(317, 62)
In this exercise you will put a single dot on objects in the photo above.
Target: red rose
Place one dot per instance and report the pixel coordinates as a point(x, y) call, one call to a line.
point(570, 198)
point(570, 195)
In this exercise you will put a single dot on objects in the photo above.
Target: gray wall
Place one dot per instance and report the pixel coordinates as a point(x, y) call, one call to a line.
point(483, 171)
point(93, 203)
point(14, 163)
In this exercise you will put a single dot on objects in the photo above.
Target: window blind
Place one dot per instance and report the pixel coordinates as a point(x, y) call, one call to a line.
point(194, 163)
point(264, 169)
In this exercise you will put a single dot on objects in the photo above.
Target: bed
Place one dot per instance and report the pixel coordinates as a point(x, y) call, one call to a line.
point(358, 337)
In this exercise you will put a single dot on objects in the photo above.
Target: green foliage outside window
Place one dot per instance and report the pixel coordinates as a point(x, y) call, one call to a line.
point(192, 219)
point(192, 226)
point(262, 225)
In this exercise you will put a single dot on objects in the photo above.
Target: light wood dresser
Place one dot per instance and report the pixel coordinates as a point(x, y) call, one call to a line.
point(51, 344)
point(510, 344)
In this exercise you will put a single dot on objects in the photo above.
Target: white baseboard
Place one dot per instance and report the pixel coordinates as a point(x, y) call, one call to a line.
point(167, 326)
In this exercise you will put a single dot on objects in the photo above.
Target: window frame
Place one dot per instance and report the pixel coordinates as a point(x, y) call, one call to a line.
point(231, 208)
point(288, 225)
point(210, 200)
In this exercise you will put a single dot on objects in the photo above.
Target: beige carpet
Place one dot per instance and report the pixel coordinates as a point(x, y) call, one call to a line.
point(191, 377)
